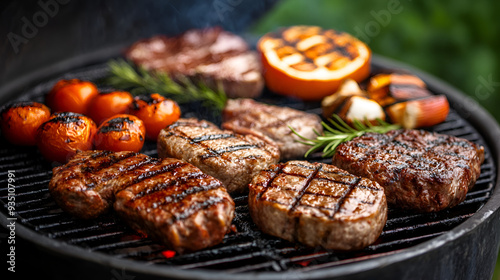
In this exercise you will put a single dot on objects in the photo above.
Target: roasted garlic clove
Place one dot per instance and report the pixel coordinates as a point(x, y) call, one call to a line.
point(350, 102)
point(361, 108)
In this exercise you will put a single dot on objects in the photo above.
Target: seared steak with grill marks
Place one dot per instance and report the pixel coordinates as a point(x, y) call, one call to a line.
point(232, 158)
point(246, 116)
point(419, 170)
point(85, 186)
point(318, 205)
point(169, 200)
point(178, 205)
point(212, 55)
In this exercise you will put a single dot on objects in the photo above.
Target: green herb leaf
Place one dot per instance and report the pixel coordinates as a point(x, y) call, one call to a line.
point(123, 75)
point(339, 131)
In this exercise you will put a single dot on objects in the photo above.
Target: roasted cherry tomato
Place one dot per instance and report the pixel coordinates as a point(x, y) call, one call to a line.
point(64, 134)
point(156, 112)
point(71, 96)
point(120, 133)
point(21, 120)
point(107, 104)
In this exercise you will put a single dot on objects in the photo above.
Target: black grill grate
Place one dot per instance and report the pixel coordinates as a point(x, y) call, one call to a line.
point(247, 249)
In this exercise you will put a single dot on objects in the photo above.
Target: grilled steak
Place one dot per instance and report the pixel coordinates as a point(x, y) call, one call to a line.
point(419, 170)
point(169, 200)
point(246, 116)
point(178, 205)
point(318, 205)
point(211, 54)
point(232, 158)
point(85, 186)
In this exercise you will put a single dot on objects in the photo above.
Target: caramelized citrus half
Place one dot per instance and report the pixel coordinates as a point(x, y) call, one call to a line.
point(309, 62)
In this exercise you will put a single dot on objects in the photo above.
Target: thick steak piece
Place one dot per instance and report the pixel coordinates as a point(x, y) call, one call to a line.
point(178, 205)
point(246, 116)
point(85, 186)
point(418, 170)
point(212, 55)
point(169, 200)
point(232, 158)
point(318, 205)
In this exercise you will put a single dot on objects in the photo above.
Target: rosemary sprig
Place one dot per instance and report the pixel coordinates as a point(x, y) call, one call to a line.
point(123, 75)
point(339, 132)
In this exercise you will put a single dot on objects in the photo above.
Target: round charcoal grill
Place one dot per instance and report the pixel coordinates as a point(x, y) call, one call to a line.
point(458, 243)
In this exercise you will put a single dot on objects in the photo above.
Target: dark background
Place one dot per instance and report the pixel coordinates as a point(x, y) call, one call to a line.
point(457, 41)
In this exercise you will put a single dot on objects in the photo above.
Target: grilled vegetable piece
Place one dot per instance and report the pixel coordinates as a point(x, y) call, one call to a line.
point(65, 133)
point(407, 100)
point(71, 96)
point(180, 206)
point(418, 170)
point(156, 112)
point(318, 205)
point(20, 121)
point(120, 133)
point(107, 104)
point(310, 63)
point(246, 116)
point(232, 158)
point(351, 103)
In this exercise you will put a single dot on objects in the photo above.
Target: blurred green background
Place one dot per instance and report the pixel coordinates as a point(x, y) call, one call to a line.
point(456, 41)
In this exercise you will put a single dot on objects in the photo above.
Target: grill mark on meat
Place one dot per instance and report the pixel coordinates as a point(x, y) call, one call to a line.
point(95, 156)
point(130, 167)
point(211, 152)
point(309, 179)
point(269, 183)
point(162, 186)
point(194, 208)
point(343, 197)
point(228, 149)
point(109, 162)
point(211, 137)
point(153, 173)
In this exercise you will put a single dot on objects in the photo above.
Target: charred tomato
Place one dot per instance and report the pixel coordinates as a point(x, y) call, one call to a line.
point(71, 96)
point(156, 112)
point(20, 121)
point(64, 134)
point(120, 133)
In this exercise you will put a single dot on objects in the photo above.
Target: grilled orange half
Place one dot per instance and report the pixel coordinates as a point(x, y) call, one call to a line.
point(310, 63)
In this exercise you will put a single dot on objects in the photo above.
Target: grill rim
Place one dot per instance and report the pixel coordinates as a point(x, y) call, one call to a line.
point(477, 117)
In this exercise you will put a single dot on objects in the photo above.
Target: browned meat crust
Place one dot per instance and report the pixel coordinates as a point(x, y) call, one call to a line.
point(246, 116)
point(169, 200)
point(318, 205)
point(178, 205)
point(232, 158)
point(419, 170)
point(211, 54)
point(84, 187)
